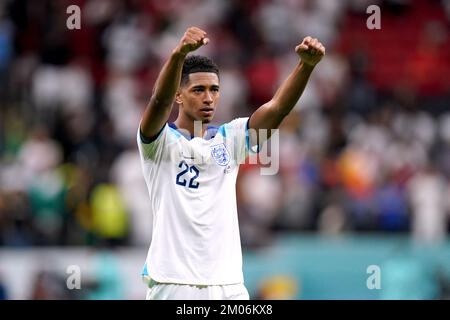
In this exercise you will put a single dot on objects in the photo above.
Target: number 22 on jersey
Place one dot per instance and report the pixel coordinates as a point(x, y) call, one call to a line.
point(186, 172)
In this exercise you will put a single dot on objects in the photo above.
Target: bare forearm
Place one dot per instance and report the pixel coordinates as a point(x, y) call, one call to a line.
point(291, 89)
point(168, 80)
point(160, 105)
point(271, 114)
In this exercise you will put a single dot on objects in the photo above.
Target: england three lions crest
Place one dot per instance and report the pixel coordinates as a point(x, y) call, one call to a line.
point(220, 154)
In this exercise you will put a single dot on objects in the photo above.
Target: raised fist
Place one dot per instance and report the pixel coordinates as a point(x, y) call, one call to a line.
point(310, 51)
point(192, 39)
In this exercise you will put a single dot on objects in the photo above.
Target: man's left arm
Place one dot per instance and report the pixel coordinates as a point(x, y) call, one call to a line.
point(271, 114)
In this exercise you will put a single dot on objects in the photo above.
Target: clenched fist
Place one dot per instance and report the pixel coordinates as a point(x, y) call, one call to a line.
point(310, 51)
point(192, 39)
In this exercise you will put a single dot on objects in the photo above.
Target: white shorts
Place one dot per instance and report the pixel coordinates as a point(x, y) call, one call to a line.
point(171, 291)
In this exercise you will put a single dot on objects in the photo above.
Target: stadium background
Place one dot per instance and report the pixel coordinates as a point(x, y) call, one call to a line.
point(364, 157)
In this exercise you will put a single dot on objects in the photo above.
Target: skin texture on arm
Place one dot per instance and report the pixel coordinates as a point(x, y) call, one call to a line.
point(271, 114)
point(159, 107)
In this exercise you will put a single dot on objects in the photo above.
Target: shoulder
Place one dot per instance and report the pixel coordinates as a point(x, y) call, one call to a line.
point(237, 122)
point(234, 127)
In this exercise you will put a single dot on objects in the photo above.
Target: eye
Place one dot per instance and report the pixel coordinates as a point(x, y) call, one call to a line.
point(215, 89)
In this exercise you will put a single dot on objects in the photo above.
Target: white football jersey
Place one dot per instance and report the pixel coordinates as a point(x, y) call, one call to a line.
point(192, 188)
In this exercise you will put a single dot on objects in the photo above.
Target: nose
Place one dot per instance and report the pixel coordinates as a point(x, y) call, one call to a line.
point(208, 99)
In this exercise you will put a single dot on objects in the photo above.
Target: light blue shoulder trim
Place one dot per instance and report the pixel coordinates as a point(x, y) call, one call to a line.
point(175, 132)
point(145, 276)
point(144, 270)
point(222, 130)
point(255, 148)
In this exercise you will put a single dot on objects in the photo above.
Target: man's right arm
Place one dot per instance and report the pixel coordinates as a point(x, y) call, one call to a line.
point(158, 109)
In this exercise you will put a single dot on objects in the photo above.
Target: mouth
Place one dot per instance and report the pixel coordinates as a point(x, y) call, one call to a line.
point(207, 111)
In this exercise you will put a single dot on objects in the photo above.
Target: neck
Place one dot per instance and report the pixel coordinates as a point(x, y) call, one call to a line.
point(195, 128)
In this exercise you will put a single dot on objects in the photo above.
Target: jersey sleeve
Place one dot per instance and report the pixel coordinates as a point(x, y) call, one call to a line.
point(151, 149)
point(236, 133)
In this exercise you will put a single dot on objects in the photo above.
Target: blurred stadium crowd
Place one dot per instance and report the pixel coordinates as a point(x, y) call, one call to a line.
point(366, 149)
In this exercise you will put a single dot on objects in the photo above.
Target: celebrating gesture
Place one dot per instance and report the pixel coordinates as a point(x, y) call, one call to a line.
point(310, 51)
point(195, 251)
point(192, 39)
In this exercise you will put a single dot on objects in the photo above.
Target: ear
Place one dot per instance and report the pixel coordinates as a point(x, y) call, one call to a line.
point(178, 97)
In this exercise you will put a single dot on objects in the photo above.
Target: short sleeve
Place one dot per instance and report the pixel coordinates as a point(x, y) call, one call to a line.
point(236, 133)
point(151, 149)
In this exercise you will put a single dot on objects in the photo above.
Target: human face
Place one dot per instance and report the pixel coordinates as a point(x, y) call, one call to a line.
point(199, 97)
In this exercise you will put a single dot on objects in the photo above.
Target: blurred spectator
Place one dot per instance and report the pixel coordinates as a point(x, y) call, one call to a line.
point(122, 106)
point(46, 195)
point(68, 88)
point(125, 41)
point(109, 218)
point(258, 211)
point(39, 153)
point(16, 225)
point(429, 199)
point(332, 220)
point(392, 208)
point(126, 174)
point(430, 58)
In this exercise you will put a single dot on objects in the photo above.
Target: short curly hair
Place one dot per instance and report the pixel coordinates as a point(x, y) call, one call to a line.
point(196, 63)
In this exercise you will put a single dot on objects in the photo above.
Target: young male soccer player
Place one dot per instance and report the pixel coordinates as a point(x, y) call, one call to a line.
point(195, 252)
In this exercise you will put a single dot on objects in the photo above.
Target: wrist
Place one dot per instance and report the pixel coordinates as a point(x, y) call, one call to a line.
point(307, 66)
point(177, 53)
